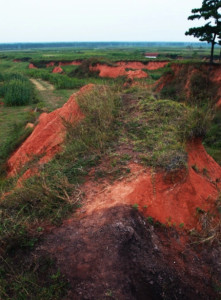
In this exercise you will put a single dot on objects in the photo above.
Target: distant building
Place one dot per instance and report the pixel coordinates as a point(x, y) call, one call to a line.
point(151, 55)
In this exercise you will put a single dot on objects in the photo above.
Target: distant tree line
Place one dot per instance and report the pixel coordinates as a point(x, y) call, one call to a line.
point(27, 46)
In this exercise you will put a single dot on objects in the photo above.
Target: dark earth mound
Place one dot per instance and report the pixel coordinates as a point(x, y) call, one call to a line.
point(117, 254)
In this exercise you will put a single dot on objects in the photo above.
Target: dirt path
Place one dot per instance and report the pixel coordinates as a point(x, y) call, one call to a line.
point(42, 85)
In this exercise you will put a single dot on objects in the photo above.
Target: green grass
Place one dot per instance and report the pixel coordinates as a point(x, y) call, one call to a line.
point(13, 132)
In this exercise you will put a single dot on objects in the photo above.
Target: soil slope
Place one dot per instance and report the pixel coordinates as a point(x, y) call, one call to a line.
point(121, 69)
point(48, 136)
point(181, 74)
point(171, 198)
point(115, 254)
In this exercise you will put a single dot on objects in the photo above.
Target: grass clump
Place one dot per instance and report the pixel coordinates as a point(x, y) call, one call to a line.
point(60, 81)
point(154, 133)
point(17, 90)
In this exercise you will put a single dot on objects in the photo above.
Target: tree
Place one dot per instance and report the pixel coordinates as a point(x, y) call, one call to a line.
point(211, 31)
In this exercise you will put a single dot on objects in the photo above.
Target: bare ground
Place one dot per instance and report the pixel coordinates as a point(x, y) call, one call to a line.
point(116, 254)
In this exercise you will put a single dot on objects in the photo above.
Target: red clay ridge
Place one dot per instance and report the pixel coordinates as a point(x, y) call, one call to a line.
point(49, 134)
point(57, 70)
point(171, 198)
point(31, 66)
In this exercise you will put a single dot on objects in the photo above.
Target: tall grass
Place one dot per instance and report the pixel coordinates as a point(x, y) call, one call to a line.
point(17, 90)
point(58, 80)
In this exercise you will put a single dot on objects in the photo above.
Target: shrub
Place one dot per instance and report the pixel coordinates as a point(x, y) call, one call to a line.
point(196, 123)
point(201, 88)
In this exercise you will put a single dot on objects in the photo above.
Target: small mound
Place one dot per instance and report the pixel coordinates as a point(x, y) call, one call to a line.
point(48, 136)
point(31, 66)
point(57, 70)
point(136, 74)
point(108, 71)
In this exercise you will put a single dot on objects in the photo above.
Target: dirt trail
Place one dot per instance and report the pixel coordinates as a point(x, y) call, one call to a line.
point(42, 85)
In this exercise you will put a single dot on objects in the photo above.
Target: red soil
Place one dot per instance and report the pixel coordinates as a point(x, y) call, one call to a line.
point(71, 63)
point(136, 74)
point(50, 64)
point(48, 135)
point(60, 64)
point(214, 73)
point(169, 199)
point(31, 66)
point(57, 70)
point(114, 72)
point(108, 71)
point(216, 78)
point(120, 69)
point(218, 104)
point(16, 60)
point(139, 65)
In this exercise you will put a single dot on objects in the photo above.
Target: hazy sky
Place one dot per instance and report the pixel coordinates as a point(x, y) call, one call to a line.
point(95, 20)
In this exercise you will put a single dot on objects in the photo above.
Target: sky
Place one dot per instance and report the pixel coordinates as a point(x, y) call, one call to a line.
point(96, 20)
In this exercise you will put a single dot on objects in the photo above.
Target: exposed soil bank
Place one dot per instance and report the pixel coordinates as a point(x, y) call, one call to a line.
point(115, 254)
point(48, 136)
point(71, 63)
point(171, 198)
point(201, 76)
point(139, 65)
point(31, 66)
point(121, 69)
point(57, 70)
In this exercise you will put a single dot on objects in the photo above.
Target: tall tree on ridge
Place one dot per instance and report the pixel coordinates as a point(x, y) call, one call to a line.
point(211, 31)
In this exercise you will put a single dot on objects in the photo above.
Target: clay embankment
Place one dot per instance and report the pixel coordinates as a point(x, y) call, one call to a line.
point(121, 69)
point(169, 198)
point(31, 66)
point(114, 71)
point(58, 70)
point(47, 138)
point(184, 72)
